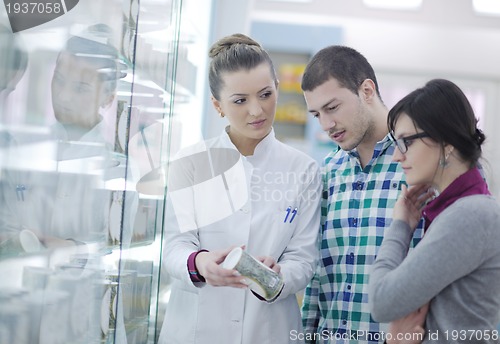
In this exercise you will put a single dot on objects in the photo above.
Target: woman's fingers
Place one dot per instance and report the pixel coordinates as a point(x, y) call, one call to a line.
point(418, 195)
point(410, 203)
point(270, 263)
point(218, 276)
point(208, 264)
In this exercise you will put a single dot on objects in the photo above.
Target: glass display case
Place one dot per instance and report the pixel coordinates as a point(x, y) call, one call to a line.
point(95, 96)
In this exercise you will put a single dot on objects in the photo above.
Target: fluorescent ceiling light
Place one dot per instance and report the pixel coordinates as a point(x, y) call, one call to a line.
point(394, 4)
point(491, 7)
point(304, 1)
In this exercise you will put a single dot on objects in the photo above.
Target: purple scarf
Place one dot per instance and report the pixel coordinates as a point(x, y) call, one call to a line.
point(469, 183)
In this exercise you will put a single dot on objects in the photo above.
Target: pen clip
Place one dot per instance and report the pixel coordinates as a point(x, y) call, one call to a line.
point(287, 213)
point(20, 192)
point(294, 212)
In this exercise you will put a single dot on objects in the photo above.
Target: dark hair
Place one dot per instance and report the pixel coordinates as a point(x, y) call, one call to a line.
point(442, 110)
point(233, 53)
point(345, 64)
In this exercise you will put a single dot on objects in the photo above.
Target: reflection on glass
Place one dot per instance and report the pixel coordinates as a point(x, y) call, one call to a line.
point(13, 61)
point(66, 201)
point(54, 202)
point(79, 243)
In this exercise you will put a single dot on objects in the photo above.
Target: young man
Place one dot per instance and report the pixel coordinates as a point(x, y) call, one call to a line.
point(361, 185)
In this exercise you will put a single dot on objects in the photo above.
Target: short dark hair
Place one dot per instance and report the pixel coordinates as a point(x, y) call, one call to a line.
point(233, 53)
point(349, 67)
point(442, 110)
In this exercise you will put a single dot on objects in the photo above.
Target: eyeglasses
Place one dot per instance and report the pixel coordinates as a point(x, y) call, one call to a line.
point(403, 142)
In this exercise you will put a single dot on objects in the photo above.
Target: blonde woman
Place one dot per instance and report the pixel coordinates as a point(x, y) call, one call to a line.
point(277, 220)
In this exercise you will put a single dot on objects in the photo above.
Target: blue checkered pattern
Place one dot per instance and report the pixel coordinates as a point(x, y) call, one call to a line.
point(356, 209)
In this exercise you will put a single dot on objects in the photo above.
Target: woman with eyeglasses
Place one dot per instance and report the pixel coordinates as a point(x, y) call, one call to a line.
point(456, 267)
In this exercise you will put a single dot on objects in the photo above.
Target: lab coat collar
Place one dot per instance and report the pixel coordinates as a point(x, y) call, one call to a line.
point(94, 134)
point(262, 147)
point(90, 144)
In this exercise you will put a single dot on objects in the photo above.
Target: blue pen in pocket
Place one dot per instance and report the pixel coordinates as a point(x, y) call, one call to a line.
point(287, 213)
point(294, 212)
point(20, 192)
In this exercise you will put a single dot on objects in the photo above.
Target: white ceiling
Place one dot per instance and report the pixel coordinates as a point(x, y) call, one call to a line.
point(443, 36)
point(438, 12)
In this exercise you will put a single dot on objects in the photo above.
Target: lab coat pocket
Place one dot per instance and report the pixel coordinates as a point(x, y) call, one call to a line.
point(181, 316)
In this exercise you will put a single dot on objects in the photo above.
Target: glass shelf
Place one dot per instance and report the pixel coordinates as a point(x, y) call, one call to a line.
point(87, 108)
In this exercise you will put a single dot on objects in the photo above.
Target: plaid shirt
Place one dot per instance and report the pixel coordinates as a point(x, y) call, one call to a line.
point(356, 208)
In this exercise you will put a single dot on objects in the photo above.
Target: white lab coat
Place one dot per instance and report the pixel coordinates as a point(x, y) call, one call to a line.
point(275, 177)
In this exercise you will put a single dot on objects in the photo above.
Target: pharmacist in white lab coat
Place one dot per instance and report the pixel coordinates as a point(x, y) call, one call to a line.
point(243, 188)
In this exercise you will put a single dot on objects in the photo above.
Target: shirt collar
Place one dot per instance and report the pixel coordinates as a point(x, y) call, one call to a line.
point(95, 134)
point(469, 183)
point(380, 147)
